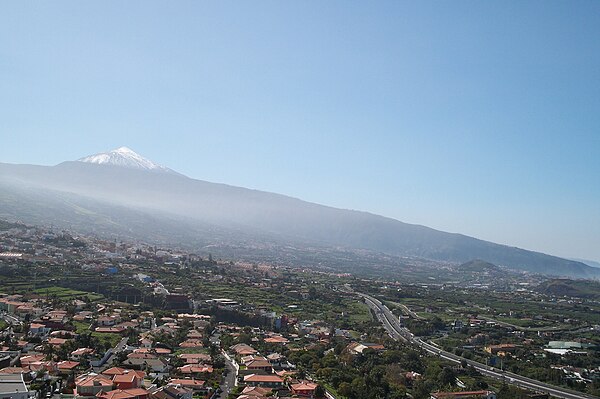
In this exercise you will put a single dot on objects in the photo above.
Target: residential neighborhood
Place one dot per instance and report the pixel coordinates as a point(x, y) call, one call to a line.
point(86, 317)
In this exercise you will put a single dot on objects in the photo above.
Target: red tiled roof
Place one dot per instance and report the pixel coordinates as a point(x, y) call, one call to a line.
point(82, 351)
point(115, 371)
point(13, 370)
point(123, 393)
point(258, 364)
point(243, 349)
point(93, 380)
point(262, 378)
point(276, 340)
point(285, 373)
point(304, 386)
point(67, 365)
point(57, 341)
point(256, 391)
point(25, 360)
point(121, 378)
point(193, 368)
point(191, 343)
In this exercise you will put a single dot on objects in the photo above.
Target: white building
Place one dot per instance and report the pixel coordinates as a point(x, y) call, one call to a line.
point(13, 387)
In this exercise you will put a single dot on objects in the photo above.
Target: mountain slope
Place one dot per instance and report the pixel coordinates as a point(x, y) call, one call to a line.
point(588, 262)
point(570, 288)
point(243, 211)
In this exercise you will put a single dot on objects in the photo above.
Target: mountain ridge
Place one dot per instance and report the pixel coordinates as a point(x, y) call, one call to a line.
point(276, 215)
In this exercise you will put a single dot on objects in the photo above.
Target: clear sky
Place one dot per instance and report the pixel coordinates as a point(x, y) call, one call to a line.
point(475, 117)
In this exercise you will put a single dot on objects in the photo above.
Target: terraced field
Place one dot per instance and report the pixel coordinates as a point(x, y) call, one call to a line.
point(13, 286)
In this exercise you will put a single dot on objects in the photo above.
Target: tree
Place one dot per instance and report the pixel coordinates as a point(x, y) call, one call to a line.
point(397, 392)
point(219, 361)
point(345, 389)
point(447, 377)
point(245, 338)
point(48, 350)
point(319, 391)
point(84, 363)
point(421, 390)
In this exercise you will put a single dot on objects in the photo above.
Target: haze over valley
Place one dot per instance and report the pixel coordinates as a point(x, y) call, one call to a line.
point(121, 193)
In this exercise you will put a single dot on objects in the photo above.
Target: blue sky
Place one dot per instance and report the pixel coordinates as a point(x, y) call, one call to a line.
point(474, 117)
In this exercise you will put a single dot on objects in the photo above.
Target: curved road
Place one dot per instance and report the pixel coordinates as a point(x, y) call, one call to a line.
point(531, 329)
point(407, 311)
point(392, 325)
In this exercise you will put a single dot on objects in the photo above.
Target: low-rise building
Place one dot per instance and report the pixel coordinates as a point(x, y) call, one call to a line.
point(304, 388)
point(12, 386)
point(269, 381)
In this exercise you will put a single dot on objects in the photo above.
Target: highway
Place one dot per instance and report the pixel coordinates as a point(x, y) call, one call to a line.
point(409, 312)
point(396, 331)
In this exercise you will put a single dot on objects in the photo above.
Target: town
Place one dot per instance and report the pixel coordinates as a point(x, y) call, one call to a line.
point(88, 317)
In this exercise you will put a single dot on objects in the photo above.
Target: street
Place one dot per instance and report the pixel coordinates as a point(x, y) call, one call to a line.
point(229, 382)
point(118, 348)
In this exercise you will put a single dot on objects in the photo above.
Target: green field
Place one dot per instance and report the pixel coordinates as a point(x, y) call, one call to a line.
point(113, 339)
point(81, 327)
point(67, 293)
point(192, 350)
point(359, 312)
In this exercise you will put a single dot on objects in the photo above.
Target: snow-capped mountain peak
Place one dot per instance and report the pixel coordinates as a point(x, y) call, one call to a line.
point(124, 157)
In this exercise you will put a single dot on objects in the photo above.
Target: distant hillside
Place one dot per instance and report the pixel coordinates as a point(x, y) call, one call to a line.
point(588, 262)
point(571, 288)
point(169, 206)
point(477, 265)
